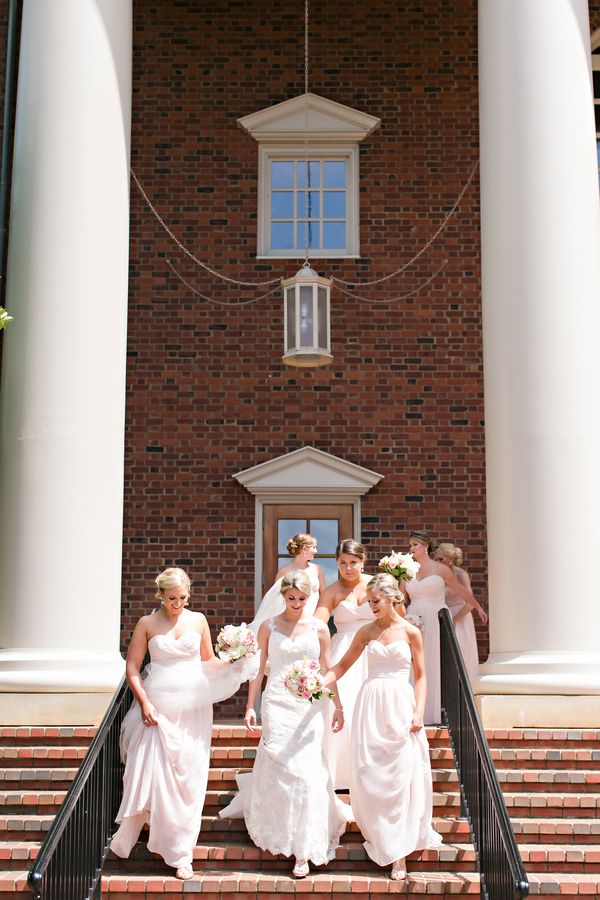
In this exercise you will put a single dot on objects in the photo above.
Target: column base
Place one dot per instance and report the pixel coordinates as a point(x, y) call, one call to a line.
point(541, 711)
point(38, 670)
point(53, 709)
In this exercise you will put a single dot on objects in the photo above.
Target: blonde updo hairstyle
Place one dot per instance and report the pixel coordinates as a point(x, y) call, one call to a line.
point(298, 580)
point(298, 542)
point(170, 578)
point(387, 585)
point(452, 551)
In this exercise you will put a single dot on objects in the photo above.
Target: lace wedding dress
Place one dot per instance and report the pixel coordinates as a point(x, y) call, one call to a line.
point(288, 800)
point(166, 765)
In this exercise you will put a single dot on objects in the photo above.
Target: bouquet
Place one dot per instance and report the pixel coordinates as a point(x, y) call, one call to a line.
point(236, 641)
point(401, 565)
point(304, 680)
point(415, 620)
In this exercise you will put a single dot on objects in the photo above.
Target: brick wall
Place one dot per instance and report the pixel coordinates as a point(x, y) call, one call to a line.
point(207, 393)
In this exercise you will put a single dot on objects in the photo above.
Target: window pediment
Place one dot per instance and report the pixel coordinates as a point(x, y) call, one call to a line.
point(309, 117)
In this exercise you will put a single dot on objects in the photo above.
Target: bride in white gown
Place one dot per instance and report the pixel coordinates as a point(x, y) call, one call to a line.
point(288, 800)
point(390, 786)
point(303, 548)
point(165, 736)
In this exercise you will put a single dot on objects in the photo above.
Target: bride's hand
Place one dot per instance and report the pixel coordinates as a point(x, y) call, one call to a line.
point(337, 722)
point(149, 714)
point(250, 719)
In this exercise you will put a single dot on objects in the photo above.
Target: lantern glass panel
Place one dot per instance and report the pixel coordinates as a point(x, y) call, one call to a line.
point(306, 316)
point(290, 310)
point(323, 341)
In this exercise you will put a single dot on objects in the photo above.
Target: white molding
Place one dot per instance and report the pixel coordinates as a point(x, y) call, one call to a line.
point(306, 475)
point(310, 116)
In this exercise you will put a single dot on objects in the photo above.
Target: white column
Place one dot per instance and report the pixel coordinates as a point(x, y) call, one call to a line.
point(63, 382)
point(541, 319)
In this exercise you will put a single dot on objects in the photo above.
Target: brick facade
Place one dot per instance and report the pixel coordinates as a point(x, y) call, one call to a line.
point(207, 394)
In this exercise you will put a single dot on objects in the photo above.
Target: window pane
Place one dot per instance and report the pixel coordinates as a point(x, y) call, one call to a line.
point(282, 205)
point(282, 174)
point(308, 205)
point(326, 534)
point(306, 316)
point(334, 204)
point(334, 235)
point(286, 529)
point(329, 567)
point(282, 235)
point(322, 325)
point(313, 235)
point(308, 173)
point(290, 308)
point(334, 174)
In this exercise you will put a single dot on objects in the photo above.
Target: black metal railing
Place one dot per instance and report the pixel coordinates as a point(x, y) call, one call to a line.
point(69, 864)
point(502, 874)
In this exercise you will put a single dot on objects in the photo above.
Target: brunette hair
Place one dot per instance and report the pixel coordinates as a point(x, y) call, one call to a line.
point(351, 547)
point(423, 538)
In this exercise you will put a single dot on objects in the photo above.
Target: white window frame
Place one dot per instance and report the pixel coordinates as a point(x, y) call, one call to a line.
point(315, 150)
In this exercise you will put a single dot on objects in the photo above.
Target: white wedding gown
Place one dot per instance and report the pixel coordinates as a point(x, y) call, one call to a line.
point(427, 597)
point(288, 800)
point(166, 765)
point(391, 787)
point(348, 617)
point(273, 604)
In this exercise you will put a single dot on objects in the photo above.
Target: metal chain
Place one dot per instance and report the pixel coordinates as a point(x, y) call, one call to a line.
point(435, 235)
point(306, 46)
point(198, 262)
point(393, 299)
point(219, 302)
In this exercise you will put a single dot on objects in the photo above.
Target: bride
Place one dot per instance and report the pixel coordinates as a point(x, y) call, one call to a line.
point(288, 800)
point(302, 547)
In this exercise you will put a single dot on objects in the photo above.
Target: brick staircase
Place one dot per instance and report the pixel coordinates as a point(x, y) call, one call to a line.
point(551, 781)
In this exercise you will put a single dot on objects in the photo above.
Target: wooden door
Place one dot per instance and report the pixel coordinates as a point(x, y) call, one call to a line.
point(327, 523)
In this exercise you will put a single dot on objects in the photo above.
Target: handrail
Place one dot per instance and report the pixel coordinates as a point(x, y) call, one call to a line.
point(502, 874)
point(69, 864)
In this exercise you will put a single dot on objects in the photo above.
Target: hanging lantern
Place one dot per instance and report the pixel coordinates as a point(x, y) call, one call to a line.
point(306, 299)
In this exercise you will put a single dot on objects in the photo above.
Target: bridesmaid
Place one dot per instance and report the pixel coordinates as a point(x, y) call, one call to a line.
point(391, 787)
point(346, 599)
point(165, 736)
point(303, 548)
point(461, 612)
point(427, 593)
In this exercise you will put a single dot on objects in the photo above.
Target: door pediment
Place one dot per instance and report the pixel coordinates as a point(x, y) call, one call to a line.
point(307, 474)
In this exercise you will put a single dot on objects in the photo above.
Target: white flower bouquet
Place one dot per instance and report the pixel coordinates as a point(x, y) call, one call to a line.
point(304, 680)
point(415, 620)
point(236, 641)
point(402, 566)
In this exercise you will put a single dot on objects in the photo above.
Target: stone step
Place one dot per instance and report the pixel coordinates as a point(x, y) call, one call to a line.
point(540, 780)
point(570, 857)
point(27, 802)
point(17, 854)
point(553, 805)
point(24, 828)
point(41, 779)
point(58, 736)
point(540, 758)
point(244, 855)
point(551, 738)
point(327, 885)
point(40, 755)
point(580, 830)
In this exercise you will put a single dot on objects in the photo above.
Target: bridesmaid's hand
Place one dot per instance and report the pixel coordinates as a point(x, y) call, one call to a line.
point(337, 722)
point(149, 715)
point(250, 719)
point(483, 616)
point(417, 722)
